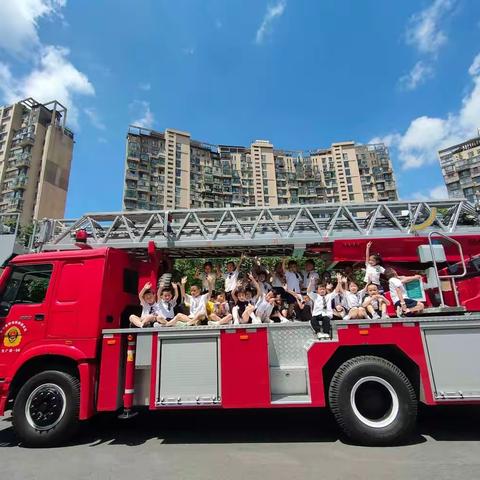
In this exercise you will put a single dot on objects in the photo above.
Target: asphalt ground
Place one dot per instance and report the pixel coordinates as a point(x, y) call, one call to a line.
point(272, 444)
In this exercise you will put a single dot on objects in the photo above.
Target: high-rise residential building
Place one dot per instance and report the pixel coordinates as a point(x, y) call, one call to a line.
point(169, 170)
point(35, 157)
point(461, 169)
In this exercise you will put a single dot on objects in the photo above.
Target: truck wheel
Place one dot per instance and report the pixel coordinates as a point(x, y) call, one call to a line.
point(46, 409)
point(373, 401)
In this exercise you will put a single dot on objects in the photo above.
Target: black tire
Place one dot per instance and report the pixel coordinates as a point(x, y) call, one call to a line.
point(373, 401)
point(46, 409)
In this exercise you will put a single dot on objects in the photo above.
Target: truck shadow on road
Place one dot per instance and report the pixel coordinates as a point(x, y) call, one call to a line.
point(269, 426)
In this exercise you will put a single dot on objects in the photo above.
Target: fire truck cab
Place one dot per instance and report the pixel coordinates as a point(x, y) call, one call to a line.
point(68, 352)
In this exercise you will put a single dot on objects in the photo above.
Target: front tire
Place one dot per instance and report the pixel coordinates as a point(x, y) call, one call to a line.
point(373, 401)
point(46, 409)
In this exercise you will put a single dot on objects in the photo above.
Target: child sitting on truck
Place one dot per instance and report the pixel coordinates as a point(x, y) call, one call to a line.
point(230, 276)
point(206, 277)
point(403, 304)
point(243, 311)
point(322, 310)
point(375, 303)
point(221, 311)
point(166, 303)
point(149, 307)
point(197, 303)
point(373, 267)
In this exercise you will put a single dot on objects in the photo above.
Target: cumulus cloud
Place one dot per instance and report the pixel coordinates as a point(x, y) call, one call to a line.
point(436, 193)
point(53, 77)
point(144, 116)
point(419, 74)
point(273, 11)
point(424, 30)
point(419, 144)
point(94, 118)
point(19, 22)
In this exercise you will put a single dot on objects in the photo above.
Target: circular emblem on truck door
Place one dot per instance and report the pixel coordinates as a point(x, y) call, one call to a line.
point(12, 337)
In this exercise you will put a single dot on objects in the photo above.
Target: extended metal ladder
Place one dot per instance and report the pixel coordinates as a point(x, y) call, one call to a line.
point(275, 230)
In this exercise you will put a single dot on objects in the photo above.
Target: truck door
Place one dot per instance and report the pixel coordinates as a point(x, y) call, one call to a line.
point(23, 308)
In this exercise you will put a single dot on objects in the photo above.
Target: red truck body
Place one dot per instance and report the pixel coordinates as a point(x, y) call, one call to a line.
point(80, 327)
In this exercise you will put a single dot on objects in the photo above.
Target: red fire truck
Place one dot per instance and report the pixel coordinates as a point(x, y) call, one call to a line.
point(67, 352)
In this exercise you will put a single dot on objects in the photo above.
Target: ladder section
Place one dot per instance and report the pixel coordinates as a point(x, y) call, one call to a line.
point(275, 230)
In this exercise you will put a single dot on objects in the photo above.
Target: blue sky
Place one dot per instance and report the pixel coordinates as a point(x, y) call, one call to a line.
point(301, 73)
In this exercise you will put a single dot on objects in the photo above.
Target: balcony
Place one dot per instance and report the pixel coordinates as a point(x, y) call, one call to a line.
point(142, 185)
point(15, 204)
point(20, 183)
point(131, 194)
point(131, 176)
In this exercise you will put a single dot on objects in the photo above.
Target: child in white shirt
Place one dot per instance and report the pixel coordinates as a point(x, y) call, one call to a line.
point(206, 277)
point(373, 267)
point(149, 307)
point(309, 274)
point(166, 303)
point(375, 303)
point(292, 277)
point(197, 303)
point(404, 305)
point(353, 300)
point(230, 277)
point(322, 310)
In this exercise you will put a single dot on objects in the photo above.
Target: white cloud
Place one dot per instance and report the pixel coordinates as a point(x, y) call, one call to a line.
point(144, 116)
point(424, 31)
point(436, 193)
point(419, 74)
point(94, 118)
point(188, 51)
point(19, 23)
point(53, 77)
point(419, 144)
point(218, 23)
point(273, 11)
point(475, 66)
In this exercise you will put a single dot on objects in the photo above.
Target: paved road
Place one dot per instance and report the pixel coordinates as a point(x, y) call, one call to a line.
point(288, 444)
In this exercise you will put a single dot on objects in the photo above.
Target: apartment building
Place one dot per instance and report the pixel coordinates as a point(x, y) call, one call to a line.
point(35, 157)
point(169, 170)
point(461, 169)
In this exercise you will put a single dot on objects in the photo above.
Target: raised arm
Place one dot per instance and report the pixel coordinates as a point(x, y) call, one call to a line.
point(339, 286)
point(234, 292)
point(310, 286)
point(175, 292)
point(367, 251)
point(211, 284)
point(218, 268)
point(182, 287)
point(291, 292)
point(239, 264)
point(410, 278)
point(255, 283)
point(197, 274)
point(146, 287)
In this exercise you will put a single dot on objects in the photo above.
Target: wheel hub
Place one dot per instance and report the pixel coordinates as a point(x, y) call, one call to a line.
point(374, 402)
point(45, 406)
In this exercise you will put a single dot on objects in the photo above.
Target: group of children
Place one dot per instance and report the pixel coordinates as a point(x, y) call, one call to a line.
point(284, 295)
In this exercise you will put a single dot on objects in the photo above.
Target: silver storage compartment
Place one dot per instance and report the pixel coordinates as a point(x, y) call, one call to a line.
point(288, 381)
point(454, 355)
point(188, 371)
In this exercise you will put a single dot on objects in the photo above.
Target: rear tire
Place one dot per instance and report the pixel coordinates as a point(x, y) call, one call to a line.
point(46, 409)
point(373, 401)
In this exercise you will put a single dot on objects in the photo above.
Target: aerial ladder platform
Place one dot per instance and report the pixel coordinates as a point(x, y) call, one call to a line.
point(271, 230)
